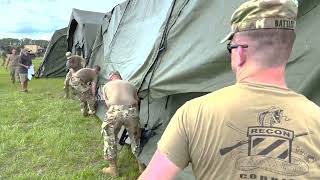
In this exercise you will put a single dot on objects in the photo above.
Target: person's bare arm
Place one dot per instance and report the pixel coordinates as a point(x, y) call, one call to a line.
point(104, 95)
point(106, 101)
point(25, 66)
point(7, 62)
point(94, 87)
point(20, 63)
point(136, 97)
point(160, 167)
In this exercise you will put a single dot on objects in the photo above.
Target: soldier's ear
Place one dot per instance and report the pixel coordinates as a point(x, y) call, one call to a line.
point(242, 56)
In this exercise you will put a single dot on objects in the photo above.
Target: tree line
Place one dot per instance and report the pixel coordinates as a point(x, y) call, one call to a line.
point(6, 44)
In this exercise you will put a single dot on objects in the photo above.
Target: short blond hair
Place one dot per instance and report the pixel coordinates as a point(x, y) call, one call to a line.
point(263, 41)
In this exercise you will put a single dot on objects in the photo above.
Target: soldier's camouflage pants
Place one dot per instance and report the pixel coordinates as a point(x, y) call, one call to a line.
point(67, 85)
point(116, 116)
point(14, 75)
point(87, 99)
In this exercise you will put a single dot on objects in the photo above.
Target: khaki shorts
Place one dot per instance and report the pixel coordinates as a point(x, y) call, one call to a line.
point(23, 77)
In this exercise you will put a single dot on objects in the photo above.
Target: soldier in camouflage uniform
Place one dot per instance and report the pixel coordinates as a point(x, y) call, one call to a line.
point(84, 81)
point(74, 63)
point(122, 109)
point(13, 63)
point(3, 56)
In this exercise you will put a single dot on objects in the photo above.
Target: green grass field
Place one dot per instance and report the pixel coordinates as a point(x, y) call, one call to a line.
point(43, 136)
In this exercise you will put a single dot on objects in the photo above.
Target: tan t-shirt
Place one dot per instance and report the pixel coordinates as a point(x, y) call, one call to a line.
point(120, 92)
point(246, 131)
point(13, 60)
point(86, 75)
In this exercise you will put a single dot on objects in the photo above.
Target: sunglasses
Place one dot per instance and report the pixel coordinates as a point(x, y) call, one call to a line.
point(233, 46)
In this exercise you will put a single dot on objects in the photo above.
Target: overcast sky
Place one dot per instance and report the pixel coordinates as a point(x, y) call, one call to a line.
point(38, 19)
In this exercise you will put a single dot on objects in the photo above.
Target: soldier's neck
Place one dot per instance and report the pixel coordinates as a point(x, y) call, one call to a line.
point(272, 76)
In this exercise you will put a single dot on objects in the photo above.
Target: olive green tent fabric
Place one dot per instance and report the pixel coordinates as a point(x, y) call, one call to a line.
point(101, 45)
point(303, 70)
point(54, 61)
point(129, 35)
point(139, 28)
point(202, 64)
point(97, 50)
point(170, 50)
point(105, 36)
point(82, 31)
point(186, 55)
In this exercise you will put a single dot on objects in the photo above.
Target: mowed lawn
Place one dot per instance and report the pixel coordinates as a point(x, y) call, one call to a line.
point(44, 136)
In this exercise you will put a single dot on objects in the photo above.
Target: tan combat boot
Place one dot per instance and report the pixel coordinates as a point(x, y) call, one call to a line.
point(112, 169)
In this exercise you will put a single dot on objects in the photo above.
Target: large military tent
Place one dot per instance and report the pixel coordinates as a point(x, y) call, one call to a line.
point(54, 61)
point(82, 31)
point(105, 36)
point(170, 50)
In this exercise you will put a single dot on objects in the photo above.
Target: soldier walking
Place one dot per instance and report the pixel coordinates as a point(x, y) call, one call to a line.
point(23, 65)
point(13, 63)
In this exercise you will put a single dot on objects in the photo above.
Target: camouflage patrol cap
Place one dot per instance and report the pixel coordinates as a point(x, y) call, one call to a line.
point(114, 73)
point(263, 14)
point(68, 55)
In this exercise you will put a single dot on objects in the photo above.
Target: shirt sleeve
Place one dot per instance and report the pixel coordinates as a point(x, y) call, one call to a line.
point(174, 142)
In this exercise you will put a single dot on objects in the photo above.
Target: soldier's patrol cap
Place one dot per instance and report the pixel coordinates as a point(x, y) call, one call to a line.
point(263, 14)
point(113, 73)
point(68, 55)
